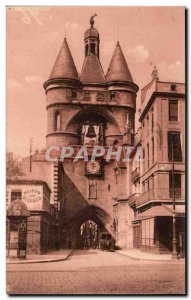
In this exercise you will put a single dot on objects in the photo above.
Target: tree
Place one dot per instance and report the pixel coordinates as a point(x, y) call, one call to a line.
point(13, 166)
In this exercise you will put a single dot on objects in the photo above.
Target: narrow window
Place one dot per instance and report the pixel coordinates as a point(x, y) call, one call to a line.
point(152, 122)
point(176, 151)
point(148, 155)
point(143, 160)
point(57, 121)
point(153, 149)
point(92, 48)
point(173, 110)
point(176, 187)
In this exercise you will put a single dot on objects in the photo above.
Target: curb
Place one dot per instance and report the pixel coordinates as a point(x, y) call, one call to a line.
point(134, 258)
point(39, 260)
point(149, 259)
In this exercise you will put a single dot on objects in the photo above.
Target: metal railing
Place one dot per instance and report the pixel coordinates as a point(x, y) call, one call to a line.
point(132, 198)
point(160, 194)
point(135, 174)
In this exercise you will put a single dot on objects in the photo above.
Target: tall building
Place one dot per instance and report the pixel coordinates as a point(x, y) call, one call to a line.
point(90, 109)
point(162, 138)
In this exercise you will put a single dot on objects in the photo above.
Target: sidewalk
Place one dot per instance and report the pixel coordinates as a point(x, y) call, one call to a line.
point(52, 256)
point(141, 255)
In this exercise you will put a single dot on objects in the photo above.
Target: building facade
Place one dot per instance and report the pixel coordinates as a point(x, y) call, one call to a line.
point(90, 109)
point(39, 188)
point(41, 221)
point(161, 136)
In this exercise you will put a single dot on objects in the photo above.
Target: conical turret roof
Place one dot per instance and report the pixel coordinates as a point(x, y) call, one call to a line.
point(64, 66)
point(92, 71)
point(118, 69)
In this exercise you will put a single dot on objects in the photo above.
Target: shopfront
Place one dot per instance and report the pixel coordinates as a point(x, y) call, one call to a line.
point(40, 228)
point(152, 231)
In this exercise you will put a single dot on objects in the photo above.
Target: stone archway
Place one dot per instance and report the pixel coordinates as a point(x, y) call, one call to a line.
point(95, 113)
point(91, 212)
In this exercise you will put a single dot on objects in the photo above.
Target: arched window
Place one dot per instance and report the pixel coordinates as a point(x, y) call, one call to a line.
point(57, 121)
point(92, 48)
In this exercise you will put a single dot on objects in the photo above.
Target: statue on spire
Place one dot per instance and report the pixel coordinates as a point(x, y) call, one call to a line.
point(92, 20)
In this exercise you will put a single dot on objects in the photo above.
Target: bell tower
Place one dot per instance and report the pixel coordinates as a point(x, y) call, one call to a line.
point(86, 110)
point(91, 39)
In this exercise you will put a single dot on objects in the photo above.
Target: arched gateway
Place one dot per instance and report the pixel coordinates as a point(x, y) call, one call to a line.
point(88, 110)
point(90, 213)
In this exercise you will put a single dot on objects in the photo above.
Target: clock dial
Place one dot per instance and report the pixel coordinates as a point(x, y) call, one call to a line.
point(93, 167)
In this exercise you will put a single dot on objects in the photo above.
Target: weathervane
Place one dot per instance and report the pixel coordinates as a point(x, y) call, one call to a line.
point(92, 20)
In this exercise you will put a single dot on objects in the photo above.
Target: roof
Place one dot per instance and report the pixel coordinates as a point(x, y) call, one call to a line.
point(118, 69)
point(64, 66)
point(147, 104)
point(92, 71)
point(91, 32)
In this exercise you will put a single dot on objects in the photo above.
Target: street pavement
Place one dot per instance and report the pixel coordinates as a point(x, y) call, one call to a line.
point(97, 272)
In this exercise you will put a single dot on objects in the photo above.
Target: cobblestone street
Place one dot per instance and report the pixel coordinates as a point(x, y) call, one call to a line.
point(97, 272)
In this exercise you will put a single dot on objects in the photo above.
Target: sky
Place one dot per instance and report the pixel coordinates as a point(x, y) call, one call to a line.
point(148, 36)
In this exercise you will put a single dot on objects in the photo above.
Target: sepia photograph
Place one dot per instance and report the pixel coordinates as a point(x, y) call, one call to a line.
point(95, 150)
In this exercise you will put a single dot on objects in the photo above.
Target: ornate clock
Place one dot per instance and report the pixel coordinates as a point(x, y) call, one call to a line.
point(93, 167)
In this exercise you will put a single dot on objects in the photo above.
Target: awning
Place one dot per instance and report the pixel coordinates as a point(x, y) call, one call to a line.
point(179, 209)
point(162, 211)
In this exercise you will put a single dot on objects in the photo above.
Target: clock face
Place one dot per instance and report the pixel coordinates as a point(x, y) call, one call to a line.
point(93, 167)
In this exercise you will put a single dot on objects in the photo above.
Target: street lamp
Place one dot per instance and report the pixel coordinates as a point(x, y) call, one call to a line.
point(174, 240)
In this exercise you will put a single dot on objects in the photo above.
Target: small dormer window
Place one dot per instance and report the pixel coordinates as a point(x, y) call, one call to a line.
point(173, 87)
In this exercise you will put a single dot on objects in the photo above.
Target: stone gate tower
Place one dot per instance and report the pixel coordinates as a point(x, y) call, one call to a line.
point(89, 109)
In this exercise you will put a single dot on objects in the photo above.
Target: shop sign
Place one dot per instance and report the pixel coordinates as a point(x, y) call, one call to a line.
point(33, 197)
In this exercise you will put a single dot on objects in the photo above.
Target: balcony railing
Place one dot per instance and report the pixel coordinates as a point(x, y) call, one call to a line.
point(177, 192)
point(135, 174)
point(160, 194)
point(132, 198)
